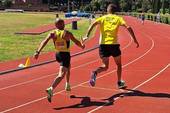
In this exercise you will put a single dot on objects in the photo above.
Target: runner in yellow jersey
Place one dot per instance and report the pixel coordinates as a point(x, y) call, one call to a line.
point(109, 46)
point(61, 39)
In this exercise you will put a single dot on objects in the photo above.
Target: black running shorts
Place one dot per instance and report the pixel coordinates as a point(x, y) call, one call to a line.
point(109, 50)
point(63, 58)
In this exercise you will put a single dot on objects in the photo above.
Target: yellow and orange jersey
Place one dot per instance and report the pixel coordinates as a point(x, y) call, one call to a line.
point(60, 43)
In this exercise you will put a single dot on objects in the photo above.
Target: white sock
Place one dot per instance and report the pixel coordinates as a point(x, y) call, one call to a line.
point(67, 84)
point(51, 88)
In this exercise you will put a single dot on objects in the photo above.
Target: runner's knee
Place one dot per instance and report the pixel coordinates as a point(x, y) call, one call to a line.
point(119, 65)
point(105, 67)
point(61, 74)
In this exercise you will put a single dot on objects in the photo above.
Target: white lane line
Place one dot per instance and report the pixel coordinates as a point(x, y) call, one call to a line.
point(153, 44)
point(46, 76)
point(78, 96)
point(152, 77)
point(23, 83)
point(100, 88)
point(22, 105)
point(141, 84)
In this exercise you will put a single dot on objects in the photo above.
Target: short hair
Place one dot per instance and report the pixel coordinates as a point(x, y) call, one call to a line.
point(112, 8)
point(58, 20)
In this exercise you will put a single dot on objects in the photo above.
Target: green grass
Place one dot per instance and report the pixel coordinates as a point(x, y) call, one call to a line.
point(13, 46)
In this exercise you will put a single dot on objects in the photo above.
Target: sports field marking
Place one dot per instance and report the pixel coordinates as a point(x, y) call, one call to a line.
point(101, 88)
point(69, 95)
point(153, 44)
point(23, 83)
point(138, 85)
point(141, 84)
point(36, 100)
point(152, 77)
point(46, 76)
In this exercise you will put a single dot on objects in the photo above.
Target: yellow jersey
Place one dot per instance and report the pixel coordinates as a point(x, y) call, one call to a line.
point(60, 43)
point(109, 25)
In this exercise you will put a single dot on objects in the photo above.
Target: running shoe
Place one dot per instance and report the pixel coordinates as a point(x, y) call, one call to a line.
point(67, 87)
point(121, 84)
point(93, 79)
point(49, 94)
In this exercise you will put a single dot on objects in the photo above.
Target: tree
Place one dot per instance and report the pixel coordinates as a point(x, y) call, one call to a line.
point(145, 5)
point(156, 6)
point(126, 5)
point(6, 3)
point(165, 6)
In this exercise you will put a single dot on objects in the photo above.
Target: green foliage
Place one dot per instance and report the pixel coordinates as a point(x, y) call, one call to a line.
point(6, 3)
point(101, 5)
point(88, 8)
point(96, 5)
point(164, 11)
point(153, 6)
point(126, 5)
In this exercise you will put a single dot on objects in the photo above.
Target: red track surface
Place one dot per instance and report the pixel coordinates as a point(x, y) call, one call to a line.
point(45, 28)
point(146, 71)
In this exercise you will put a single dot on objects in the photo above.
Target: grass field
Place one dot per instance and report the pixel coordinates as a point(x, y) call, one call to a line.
point(13, 46)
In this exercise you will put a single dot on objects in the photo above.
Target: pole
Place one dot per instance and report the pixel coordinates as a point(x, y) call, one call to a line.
point(81, 3)
point(68, 5)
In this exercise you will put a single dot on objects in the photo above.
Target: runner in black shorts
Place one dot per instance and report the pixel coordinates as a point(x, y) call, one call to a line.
point(109, 50)
point(109, 46)
point(61, 39)
point(63, 58)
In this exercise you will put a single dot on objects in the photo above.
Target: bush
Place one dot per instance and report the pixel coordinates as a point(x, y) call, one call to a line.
point(7, 3)
point(87, 8)
point(165, 19)
point(149, 11)
point(166, 11)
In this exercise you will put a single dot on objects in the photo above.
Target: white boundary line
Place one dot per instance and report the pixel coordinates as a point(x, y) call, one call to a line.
point(134, 87)
point(123, 66)
point(33, 80)
point(162, 70)
point(67, 94)
point(101, 88)
point(22, 105)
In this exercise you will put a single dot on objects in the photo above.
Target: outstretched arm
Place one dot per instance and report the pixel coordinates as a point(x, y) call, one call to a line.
point(130, 30)
point(42, 45)
point(89, 30)
point(77, 42)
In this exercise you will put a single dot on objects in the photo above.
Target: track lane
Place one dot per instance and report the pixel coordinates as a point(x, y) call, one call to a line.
point(25, 87)
point(142, 70)
point(65, 102)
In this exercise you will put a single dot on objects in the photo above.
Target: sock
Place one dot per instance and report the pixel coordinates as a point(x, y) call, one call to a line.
point(95, 72)
point(119, 82)
point(51, 88)
point(67, 84)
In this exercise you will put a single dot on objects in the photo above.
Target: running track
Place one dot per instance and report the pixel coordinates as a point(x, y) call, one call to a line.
point(146, 71)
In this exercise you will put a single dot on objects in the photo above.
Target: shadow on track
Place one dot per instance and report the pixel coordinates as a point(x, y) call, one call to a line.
point(85, 102)
point(130, 93)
